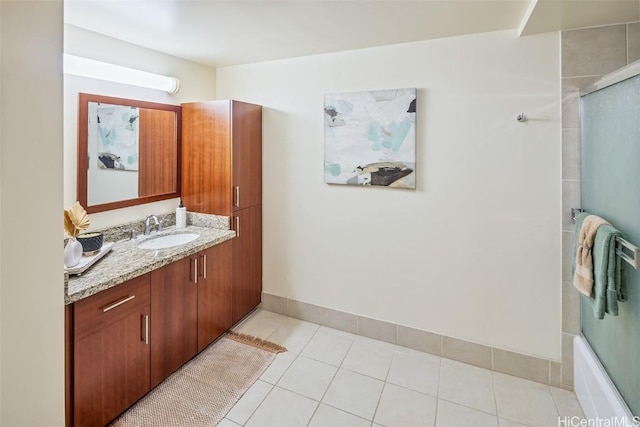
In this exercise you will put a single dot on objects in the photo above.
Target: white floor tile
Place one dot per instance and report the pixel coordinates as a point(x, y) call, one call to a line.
point(566, 403)
point(467, 385)
point(338, 332)
point(278, 367)
point(308, 377)
point(260, 324)
point(293, 334)
point(327, 416)
point(415, 370)
point(524, 401)
point(451, 414)
point(227, 423)
point(401, 407)
point(328, 348)
point(502, 422)
point(249, 402)
point(369, 357)
point(354, 393)
point(283, 408)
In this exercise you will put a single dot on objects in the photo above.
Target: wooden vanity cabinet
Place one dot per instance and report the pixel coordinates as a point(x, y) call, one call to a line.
point(111, 352)
point(214, 293)
point(174, 307)
point(222, 175)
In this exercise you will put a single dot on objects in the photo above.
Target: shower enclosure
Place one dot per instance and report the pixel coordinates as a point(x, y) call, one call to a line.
point(610, 188)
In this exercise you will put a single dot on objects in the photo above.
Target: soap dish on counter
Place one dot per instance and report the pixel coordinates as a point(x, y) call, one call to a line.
point(88, 261)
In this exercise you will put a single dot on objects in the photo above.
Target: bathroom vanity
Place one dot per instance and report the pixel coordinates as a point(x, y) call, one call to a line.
point(138, 315)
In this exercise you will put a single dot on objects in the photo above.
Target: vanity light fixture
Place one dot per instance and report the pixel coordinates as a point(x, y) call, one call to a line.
point(85, 67)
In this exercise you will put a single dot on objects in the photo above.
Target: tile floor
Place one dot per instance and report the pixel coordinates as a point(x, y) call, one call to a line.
point(330, 378)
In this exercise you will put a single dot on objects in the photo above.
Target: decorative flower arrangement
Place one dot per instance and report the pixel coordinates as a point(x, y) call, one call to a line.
point(75, 220)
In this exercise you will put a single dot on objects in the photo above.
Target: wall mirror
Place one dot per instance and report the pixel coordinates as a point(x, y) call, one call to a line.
point(128, 152)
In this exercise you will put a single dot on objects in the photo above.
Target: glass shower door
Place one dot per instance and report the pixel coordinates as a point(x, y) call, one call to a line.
point(610, 188)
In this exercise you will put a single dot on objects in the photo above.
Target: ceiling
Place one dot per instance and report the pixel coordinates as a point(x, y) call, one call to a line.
point(222, 33)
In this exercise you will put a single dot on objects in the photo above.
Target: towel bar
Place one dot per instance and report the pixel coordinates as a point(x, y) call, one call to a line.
point(622, 244)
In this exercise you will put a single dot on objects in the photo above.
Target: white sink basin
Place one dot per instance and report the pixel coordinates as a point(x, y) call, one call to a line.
point(168, 241)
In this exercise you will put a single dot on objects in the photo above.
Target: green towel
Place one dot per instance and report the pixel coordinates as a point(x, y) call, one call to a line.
point(610, 285)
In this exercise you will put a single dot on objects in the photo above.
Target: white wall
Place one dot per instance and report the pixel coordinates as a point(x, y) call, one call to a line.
point(474, 252)
point(197, 83)
point(31, 278)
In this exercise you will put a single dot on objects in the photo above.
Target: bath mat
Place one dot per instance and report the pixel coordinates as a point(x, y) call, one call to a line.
point(206, 388)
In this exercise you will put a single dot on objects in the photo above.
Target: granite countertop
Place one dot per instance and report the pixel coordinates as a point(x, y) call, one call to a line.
point(126, 261)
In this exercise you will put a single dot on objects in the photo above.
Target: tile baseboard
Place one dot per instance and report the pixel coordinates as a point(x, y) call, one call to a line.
point(532, 368)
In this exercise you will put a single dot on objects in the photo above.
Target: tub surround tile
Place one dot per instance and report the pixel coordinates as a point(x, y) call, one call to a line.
point(570, 109)
point(572, 84)
point(467, 352)
point(633, 42)
point(567, 359)
point(570, 308)
point(571, 155)
point(593, 51)
point(570, 199)
point(520, 365)
point(567, 255)
point(126, 261)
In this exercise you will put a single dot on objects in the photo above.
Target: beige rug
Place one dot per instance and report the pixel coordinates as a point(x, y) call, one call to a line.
point(206, 388)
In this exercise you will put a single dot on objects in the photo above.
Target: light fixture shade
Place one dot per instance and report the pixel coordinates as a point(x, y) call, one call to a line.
point(85, 67)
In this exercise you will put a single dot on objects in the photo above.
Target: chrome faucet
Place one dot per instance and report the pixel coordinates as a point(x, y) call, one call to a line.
point(147, 225)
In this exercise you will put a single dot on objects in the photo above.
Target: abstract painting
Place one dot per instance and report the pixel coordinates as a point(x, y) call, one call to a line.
point(370, 138)
point(118, 133)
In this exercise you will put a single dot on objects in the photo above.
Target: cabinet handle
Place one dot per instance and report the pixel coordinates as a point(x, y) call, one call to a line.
point(117, 303)
point(236, 195)
point(195, 270)
point(237, 226)
point(145, 320)
point(204, 266)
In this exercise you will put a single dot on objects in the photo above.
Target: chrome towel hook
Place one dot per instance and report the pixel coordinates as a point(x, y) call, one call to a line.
point(521, 118)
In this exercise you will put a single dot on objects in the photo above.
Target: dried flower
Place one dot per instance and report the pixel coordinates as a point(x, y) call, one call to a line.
point(75, 220)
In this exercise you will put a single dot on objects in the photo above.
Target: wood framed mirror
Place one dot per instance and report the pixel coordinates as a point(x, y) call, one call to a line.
point(128, 152)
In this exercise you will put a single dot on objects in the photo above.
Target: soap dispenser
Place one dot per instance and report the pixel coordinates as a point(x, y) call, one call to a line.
point(181, 216)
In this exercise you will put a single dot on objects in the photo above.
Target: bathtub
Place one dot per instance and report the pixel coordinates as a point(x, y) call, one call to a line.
point(596, 393)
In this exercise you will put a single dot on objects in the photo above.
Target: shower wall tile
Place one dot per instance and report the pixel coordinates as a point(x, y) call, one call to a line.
point(567, 255)
point(570, 308)
point(571, 153)
point(303, 311)
point(567, 360)
point(594, 51)
point(570, 199)
point(570, 109)
point(633, 42)
point(274, 303)
point(572, 84)
point(521, 365)
point(467, 352)
point(420, 340)
point(378, 329)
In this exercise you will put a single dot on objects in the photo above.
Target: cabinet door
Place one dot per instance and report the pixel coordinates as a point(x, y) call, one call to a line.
point(206, 157)
point(214, 293)
point(247, 261)
point(174, 299)
point(246, 138)
point(111, 352)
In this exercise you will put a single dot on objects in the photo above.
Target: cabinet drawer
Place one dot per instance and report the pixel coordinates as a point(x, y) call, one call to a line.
point(101, 309)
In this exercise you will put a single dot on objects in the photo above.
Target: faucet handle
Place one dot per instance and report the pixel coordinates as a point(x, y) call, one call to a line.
point(133, 234)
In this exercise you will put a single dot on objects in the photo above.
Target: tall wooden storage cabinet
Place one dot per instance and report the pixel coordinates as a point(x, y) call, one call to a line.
point(222, 175)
